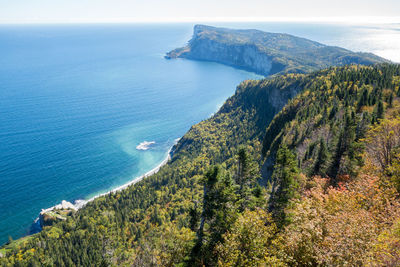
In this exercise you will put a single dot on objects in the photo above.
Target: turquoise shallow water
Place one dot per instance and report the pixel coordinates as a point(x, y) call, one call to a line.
point(76, 100)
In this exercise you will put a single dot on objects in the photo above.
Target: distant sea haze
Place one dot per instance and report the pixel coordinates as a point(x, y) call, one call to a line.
point(85, 109)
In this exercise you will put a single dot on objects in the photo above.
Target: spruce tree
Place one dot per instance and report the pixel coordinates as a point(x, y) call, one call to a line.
point(363, 101)
point(285, 183)
point(344, 147)
point(322, 159)
point(219, 213)
point(380, 110)
point(246, 179)
point(390, 100)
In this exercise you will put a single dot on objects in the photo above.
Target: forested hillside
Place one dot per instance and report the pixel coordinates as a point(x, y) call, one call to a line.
point(298, 170)
point(266, 53)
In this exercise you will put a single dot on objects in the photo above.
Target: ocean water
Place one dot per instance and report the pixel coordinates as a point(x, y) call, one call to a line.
point(77, 100)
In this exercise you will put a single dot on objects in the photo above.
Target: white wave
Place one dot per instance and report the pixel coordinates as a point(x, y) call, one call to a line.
point(145, 145)
point(81, 203)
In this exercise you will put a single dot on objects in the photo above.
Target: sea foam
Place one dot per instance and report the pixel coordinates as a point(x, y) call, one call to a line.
point(145, 145)
point(81, 203)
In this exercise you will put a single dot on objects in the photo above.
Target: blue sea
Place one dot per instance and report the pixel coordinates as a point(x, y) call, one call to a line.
point(77, 100)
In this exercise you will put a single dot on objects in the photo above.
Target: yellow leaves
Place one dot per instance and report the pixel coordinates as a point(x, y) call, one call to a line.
point(380, 141)
point(249, 242)
point(158, 195)
point(54, 232)
point(386, 250)
point(305, 93)
point(19, 255)
point(335, 88)
point(167, 245)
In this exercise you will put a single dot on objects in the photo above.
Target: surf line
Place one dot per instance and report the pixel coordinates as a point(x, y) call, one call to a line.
point(80, 203)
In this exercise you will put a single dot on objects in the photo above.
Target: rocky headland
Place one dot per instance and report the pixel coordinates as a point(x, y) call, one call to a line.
point(266, 53)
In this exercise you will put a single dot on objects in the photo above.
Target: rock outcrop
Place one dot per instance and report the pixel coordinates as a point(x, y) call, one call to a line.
point(59, 212)
point(266, 53)
point(245, 56)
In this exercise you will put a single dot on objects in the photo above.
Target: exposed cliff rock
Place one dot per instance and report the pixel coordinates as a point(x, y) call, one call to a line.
point(245, 56)
point(266, 53)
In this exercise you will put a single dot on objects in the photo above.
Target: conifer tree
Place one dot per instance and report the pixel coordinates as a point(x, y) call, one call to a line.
point(285, 183)
point(390, 100)
point(380, 110)
point(363, 101)
point(246, 179)
point(322, 159)
point(219, 213)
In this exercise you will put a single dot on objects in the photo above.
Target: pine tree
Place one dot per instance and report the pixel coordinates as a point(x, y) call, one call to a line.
point(380, 110)
point(345, 147)
point(285, 183)
point(322, 159)
point(219, 213)
point(246, 179)
point(194, 218)
point(390, 100)
point(363, 99)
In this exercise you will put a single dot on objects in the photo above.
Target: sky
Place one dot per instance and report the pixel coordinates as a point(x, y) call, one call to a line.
point(65, 11)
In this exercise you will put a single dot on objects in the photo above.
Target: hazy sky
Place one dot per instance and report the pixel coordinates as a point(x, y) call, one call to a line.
point(21, 11)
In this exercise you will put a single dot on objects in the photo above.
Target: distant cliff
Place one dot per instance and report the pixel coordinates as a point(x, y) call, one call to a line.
point(266, 53)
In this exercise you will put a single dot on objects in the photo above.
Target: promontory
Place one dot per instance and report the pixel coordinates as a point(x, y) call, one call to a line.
point(266, 53)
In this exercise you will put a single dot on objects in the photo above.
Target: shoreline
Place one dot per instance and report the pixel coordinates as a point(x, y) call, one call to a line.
point(80, 203)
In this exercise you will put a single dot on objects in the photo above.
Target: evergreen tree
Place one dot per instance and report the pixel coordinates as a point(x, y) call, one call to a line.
point(194, 218)
point(380, 110)
point(246, 179)
point(390, 100)
point(345, 147)
point(363, 101)
point(219, 213)
point(285, 183)
point(321, 162)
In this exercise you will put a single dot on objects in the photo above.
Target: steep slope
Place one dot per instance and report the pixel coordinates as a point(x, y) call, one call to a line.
point(128, 227)
point(336, 109)
point(153, 223)
point(266, 53)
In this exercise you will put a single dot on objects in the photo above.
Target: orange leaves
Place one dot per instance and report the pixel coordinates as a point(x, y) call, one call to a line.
point(339, 225)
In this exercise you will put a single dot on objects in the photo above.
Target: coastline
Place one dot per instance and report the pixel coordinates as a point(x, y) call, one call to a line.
point(80, 203)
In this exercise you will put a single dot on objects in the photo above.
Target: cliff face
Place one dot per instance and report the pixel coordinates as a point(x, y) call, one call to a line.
point(266, 53)
point(245, 56)
point(264, 99)
point(253, 106)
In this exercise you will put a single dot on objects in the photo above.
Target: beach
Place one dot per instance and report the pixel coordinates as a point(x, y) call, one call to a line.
point(81, 203)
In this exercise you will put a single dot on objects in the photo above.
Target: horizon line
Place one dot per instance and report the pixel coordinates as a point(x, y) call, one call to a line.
point(354, 19)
